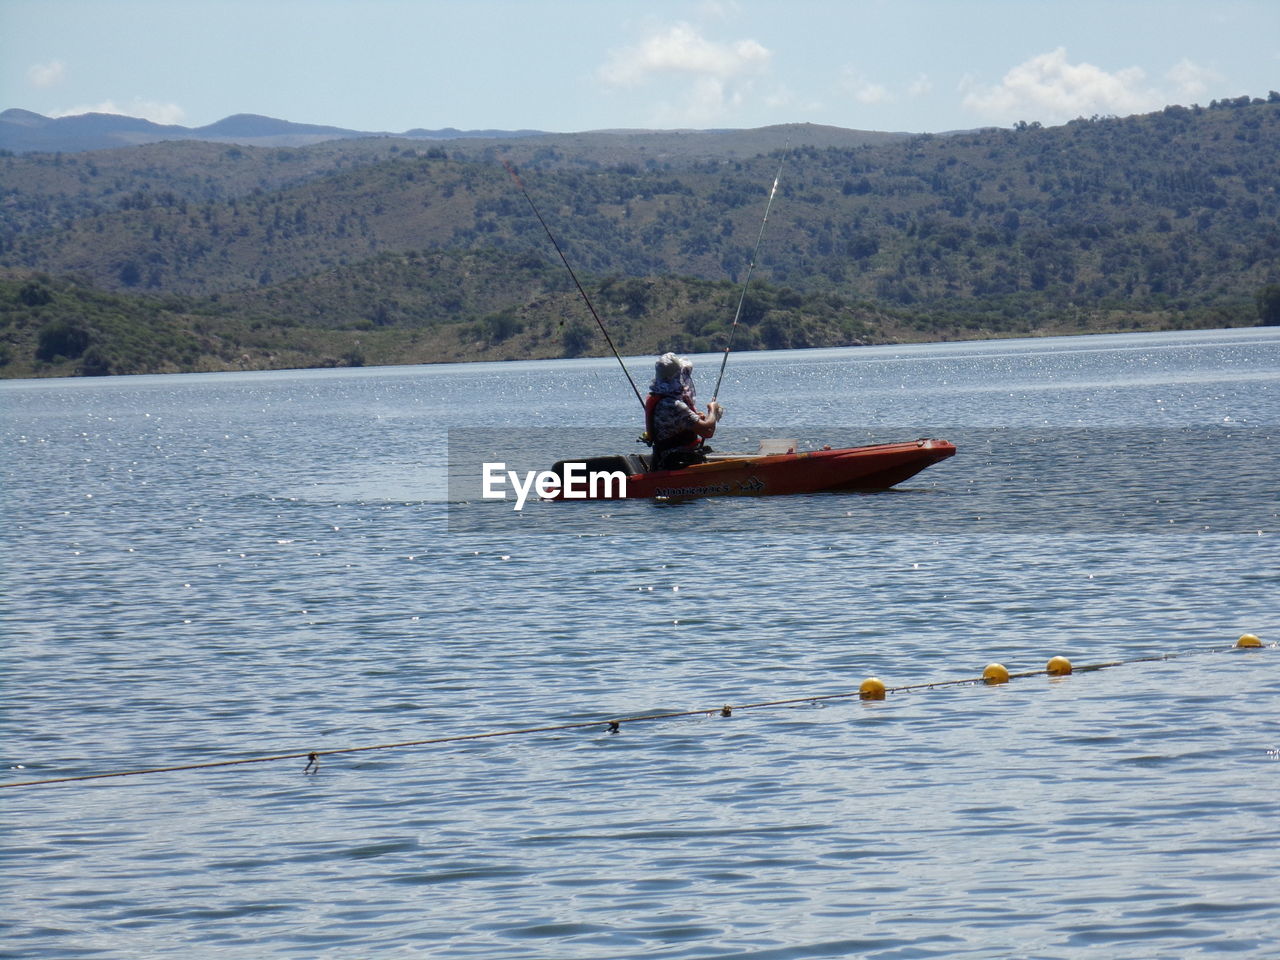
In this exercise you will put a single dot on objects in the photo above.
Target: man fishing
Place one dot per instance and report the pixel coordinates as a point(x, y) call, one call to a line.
point(675, 427)
point(673, 424)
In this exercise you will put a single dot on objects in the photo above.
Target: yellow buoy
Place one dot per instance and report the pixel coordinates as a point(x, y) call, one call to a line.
point(872, 689)
point(1058, 667)
point(1248, 640)
point(995, 673)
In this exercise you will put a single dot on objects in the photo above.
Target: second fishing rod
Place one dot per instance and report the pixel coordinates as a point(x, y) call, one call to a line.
point(737, 316)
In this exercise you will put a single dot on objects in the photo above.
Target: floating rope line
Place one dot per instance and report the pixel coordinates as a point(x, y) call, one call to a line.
point(871, 689)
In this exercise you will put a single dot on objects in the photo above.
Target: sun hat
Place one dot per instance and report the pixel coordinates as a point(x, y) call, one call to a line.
point(669, 366)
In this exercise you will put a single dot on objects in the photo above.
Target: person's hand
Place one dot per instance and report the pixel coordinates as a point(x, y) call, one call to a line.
point(715, 410)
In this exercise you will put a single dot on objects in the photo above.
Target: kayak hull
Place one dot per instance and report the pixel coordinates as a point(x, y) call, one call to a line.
point(876, 467)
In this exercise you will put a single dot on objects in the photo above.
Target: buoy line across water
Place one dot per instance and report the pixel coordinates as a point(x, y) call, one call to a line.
point(873, 688)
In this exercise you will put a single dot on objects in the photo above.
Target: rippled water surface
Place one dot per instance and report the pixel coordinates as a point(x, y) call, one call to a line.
point(204, 568)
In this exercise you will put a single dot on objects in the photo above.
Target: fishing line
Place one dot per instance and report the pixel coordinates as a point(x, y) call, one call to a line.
point(750, 268)
point(565, 260)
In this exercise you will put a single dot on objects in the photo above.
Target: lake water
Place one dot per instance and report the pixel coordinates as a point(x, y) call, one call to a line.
point(212, 567)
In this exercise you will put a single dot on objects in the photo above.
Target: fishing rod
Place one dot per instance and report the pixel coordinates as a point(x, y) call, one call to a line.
point(750, 268)
point(587, 300)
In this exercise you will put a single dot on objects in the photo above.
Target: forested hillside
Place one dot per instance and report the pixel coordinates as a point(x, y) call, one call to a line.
point(394, 251)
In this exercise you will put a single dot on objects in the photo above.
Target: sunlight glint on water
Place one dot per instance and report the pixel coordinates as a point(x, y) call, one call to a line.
point(223, 566)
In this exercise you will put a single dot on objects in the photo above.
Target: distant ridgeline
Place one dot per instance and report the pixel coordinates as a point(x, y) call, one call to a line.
point(188, 254)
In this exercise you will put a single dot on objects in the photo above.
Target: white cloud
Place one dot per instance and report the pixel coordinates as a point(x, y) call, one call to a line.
point(1190, 80)
point(46, 74)
point(152, 110)
point(1049, 89)
point(680, 49)
point(717, 76)
point(922, 86)
point(871, 93)
point(855, 84)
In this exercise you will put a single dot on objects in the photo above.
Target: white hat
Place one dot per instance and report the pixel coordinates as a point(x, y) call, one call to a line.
point(669, 366)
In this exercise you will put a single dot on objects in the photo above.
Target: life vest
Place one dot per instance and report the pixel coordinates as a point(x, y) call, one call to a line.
point(685, 440)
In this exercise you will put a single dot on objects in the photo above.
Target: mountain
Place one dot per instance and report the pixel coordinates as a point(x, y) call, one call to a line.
point(22, 131)
point(399, 248)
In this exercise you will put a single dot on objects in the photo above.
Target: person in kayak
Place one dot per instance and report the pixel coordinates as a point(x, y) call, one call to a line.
point(675, 427)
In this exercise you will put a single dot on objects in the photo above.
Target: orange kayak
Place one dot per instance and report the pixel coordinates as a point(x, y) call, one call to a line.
point(875, 467)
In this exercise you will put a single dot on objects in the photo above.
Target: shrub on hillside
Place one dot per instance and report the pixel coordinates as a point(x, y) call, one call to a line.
point(61, 339)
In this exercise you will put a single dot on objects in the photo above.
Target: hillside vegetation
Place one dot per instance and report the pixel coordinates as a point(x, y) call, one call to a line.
point(186, 256)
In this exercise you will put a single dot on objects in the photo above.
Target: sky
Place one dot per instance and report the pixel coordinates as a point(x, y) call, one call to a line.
point(571, 65)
